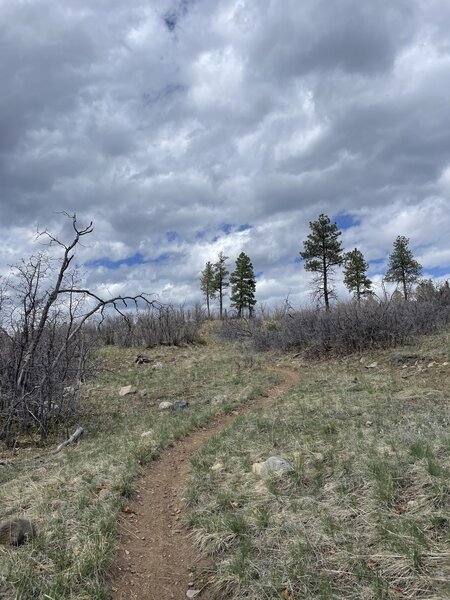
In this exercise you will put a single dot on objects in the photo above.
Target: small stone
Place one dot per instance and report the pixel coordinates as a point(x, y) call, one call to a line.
point(146, 433)
point(165, 405)
point(143, 393)
point(192, 594)
point(445, 364)
point(126, 390)
point(274, 465)
point(180, 404)
point(16, 531)
point(219, 399)
point(256, 468)
point(431, 364)
point(158, 365)
point(217, 467)
point(318, 457)
point(369, 423)
point(372, 365)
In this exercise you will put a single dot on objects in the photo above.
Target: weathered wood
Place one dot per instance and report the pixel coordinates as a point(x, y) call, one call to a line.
point(73, 438)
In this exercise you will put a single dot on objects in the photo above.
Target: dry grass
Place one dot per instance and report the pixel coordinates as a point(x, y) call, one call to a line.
point(75, 496)
point(365, 514)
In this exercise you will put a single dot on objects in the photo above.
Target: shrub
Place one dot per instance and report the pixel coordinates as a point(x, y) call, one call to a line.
point(346, 328)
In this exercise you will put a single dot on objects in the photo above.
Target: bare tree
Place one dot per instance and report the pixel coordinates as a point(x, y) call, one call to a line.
point(43, 310)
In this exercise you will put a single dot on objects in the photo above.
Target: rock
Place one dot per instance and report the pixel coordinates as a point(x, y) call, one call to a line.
point(146, 433)
point(16, 532)
point(69, 390)
point(165, 405)
point(192, 594)
point(219, 399)
point(403, 358)
point(180, 404)
point(143, 393)
point(274, 465)
point(126, 390)
point(372, 365)
point(431, 364)
point(256, 468)
point(369, 423)
point(318, 457)
point(445, 364)
point(217, 467)
point(158, 365)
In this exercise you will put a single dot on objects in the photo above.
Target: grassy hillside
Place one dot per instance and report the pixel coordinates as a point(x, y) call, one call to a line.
point(366, 512)
point(75, 496)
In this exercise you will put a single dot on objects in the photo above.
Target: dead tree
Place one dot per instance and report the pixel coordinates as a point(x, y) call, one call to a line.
point(43, 311)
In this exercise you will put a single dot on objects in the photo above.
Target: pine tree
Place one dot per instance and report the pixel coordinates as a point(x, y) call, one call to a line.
point(243, 284)
point(207, 283)
point(403, 269)
point(220, 279)
point(322, 252)
point(355, 278)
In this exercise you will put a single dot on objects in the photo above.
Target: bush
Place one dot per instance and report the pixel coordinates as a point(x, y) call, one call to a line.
point(157, 325)
point(346, 328)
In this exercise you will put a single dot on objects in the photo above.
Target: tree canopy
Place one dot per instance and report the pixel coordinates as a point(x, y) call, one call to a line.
point(322, 252)
point(403, 268)
point(243, 284)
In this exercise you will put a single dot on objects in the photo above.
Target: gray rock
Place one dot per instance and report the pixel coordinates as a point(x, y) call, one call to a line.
point(158, 365)
point(403, 358)
point(165, 405)
point(126, 390)
point(180, 404)
point(192, 594)
point(143, 393)
point(275, 465)
point(219, 399)
point(16, 531)
point(372, 365)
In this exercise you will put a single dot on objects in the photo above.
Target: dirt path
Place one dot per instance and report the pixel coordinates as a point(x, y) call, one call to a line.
point(155, 552)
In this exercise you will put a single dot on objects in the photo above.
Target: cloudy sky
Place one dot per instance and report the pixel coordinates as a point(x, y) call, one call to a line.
point(187, 127)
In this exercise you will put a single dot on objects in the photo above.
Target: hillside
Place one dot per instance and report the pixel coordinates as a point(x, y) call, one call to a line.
point(363, 514)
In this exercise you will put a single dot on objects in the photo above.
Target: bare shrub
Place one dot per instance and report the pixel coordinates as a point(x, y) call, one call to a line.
point(154, 326)
point(44, 346)
point(347, 328)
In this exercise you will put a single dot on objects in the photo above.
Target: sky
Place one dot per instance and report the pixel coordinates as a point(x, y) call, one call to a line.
point(183, 128)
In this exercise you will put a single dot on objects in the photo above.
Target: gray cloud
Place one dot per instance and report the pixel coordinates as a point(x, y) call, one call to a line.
point(186, 115)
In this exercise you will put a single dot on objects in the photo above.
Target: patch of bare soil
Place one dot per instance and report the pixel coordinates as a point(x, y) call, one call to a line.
point(156, 559)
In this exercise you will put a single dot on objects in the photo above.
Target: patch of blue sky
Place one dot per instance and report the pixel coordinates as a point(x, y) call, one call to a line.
point(345, 220)
point(259, 274)
point(130, 261)
point(378, 261)
point(171, 236)
point(108, 263)
point(159, 259)
point(228, 228)
point(436, 272)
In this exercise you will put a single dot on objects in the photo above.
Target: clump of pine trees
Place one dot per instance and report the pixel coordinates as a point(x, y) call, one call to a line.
point(323, 252)
point(216, 279)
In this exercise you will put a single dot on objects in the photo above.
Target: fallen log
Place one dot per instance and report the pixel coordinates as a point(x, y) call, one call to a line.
point(73, 438)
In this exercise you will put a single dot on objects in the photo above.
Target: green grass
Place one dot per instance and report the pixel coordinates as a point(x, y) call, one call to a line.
point(365, 514)
point(75, 497)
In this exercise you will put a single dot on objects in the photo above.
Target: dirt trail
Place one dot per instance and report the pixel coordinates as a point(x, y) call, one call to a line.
point(155, 551)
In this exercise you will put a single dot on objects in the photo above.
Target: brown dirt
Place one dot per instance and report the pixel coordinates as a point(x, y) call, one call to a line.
point(156, 559)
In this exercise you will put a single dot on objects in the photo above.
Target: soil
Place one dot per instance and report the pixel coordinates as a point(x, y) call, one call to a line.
point(156, 559)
